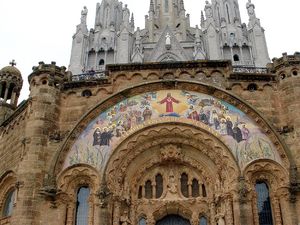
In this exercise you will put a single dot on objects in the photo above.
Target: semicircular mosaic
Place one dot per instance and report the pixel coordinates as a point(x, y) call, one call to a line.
point(242, 136)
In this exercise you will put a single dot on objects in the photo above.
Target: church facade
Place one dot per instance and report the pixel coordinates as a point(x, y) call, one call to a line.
point(162, 126)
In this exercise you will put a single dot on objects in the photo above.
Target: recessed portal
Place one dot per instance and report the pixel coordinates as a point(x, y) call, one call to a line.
point(173, 220)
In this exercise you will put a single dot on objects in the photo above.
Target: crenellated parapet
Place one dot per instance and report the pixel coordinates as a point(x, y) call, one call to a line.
point(287, 66)
point(50, 74)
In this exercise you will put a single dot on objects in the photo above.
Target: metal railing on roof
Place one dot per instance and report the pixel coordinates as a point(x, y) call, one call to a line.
point(90, 75)
point(248, 69)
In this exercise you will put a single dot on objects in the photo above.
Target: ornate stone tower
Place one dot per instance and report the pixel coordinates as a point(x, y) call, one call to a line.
point(168, 36)
point(228, 38)
point(10, 87)
point(109, 41)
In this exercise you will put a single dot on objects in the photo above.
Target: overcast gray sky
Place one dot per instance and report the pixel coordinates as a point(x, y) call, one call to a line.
point(39, 30)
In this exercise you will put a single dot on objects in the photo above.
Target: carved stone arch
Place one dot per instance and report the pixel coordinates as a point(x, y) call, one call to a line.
point(184, 75)
point(169, 208)
point(167, 57)
point(268, 171)
point(196, 147)
point(153, 76)
point(8, 182)
point(72, 178)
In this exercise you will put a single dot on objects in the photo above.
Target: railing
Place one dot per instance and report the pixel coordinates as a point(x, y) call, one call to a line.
point(90, 75)
point(246, 69)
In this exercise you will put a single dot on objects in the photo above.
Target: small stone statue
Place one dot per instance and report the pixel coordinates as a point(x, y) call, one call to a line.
point(208, 10)
point(251, 9)
point(125, 219)
point(84, 13)
point(168, 40)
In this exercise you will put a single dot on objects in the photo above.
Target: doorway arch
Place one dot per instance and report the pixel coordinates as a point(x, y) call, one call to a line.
point(173, 220)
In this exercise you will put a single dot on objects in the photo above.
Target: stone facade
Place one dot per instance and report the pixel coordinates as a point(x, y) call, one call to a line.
point(36, 141)
point(168, 36)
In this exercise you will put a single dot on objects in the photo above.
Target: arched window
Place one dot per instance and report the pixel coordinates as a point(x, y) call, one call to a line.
point(195, 188)
point(9, 204)
point(140, 194)
point(82, 206)
point(142, 221)
point(184, 185)
point(101, 62)
point(204, 194)
point(2, 94)
point(159, 185)
point(148, 189)
point(203, 220)
point(264, 204)
point(236, 58)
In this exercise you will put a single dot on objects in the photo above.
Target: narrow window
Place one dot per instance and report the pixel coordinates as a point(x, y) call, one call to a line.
point(203, 220)
point(159, 185)
point(204, 194)
point(148, 189)
point(228, 15)
point(195, 188)
point(9, 204)
point(166, 6)
point(140, 194)
point(263, 204)
point(142, 221)
point(82, 206)
point(184, 185)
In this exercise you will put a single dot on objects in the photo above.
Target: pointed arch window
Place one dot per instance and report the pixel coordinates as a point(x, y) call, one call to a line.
point(263, 204)
point(148, 189)
point(184, 185)
point(204, 194)
point(82, 206)
point(9, 204)
point(195, 188)
point(159, 185)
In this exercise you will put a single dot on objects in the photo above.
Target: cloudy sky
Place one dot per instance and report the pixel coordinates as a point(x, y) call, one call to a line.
point(39, 30)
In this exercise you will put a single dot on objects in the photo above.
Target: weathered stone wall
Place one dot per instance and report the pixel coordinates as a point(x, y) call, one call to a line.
point(31, 141)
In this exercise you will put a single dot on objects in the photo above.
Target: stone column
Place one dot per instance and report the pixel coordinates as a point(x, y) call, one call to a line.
point(236, 209)
point(229, 213)
point(91, 211)
point(71, 213)
point(254, 209)
point(277, 211)
point(116, 213)
point(6, 93)
point(286, 209)
point(212, 210)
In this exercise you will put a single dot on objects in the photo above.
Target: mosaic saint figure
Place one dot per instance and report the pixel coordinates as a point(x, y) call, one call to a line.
point(169, 100)
point(147, 114)
point(245, 132)
point(237, 133)
point(97, 137)
point(106, 137)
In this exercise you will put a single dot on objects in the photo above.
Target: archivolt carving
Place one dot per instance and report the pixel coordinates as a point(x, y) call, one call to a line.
point(71, 179)
point(269, 171)
point(170, 136)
